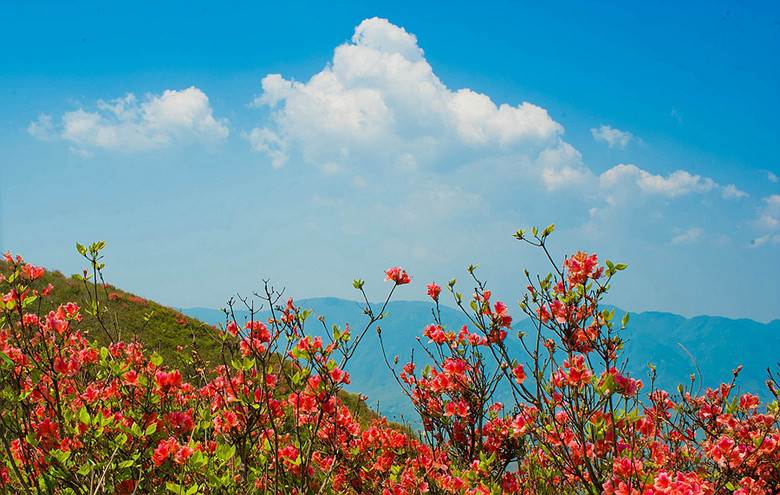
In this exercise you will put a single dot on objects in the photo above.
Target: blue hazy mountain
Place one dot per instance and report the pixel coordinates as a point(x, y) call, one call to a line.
point(677, 346)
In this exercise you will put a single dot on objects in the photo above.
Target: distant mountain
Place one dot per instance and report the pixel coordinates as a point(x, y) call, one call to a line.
point(675, 344)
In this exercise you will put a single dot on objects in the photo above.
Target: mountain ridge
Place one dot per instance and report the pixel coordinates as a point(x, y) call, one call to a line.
point(709, 347)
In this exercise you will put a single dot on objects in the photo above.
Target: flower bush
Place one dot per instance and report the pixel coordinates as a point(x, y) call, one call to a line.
point(271, 417)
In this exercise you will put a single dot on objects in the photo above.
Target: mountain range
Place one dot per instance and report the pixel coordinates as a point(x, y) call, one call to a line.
point(709, 347)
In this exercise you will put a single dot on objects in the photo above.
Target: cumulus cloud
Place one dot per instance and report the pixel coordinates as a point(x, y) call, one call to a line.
point(562, 166)
point(675, 184)
point(614, 138)
point(378, 105)
point(380, 93)
point(127, 124)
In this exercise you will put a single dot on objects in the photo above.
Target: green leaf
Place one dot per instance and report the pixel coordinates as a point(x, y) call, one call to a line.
point(85, 469)
point(84, 415)
point(226, 452)
point(151, 429)
point(6, 359)
point(296, 378)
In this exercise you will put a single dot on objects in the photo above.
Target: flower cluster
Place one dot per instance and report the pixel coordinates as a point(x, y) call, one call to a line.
point(272, 416)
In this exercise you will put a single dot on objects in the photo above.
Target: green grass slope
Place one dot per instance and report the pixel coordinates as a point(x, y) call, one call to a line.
point(182, 341)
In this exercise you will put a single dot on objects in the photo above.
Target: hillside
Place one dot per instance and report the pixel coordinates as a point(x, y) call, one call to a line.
point(184, 342)
point(129, 316)
point(675, 344)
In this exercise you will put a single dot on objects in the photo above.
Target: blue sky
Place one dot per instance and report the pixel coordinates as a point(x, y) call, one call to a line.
point(213, 146)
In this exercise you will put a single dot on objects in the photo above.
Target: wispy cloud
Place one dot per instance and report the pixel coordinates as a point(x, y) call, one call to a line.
point(731, 191)
point(42, 128)
point(614, 138)
point(688, 236)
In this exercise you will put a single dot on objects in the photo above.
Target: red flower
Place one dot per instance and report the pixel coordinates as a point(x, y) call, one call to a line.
point(164, 450)
point(232, 328)
point(581, 266)
point(168, 380)
point(32, 272)
point(397, 275)
point(183, 454)
point(339, 376)
point(258, 331)
point(433, 291)
point(519, 373)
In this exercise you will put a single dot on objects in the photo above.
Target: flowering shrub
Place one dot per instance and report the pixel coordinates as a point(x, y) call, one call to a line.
point(271, 417)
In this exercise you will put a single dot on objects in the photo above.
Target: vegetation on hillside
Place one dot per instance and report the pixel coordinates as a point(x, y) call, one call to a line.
point(126, 316)
point(270, 415)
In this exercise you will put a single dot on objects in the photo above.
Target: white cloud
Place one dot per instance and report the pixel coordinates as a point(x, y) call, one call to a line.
point(688, 236)
point(615, 138)
point(125, 124)
point(378, 102)
point(771, 177)
point(379, 105)
point(42, 128)
point(732, 192)
point(268, 142)
point(677, 183)
point(562, 167)
point(771, 239)
point(767, 222)
point(769, 215)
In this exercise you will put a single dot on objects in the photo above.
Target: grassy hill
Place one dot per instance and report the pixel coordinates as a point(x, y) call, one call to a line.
point(170, 333)
point(183, 342)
